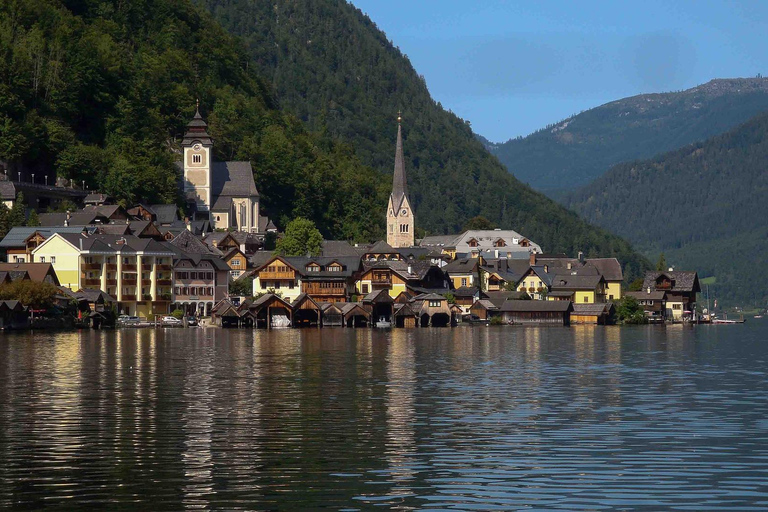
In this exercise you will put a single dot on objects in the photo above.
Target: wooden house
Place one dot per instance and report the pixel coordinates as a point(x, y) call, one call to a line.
point(596, 314)
point(654, 303)
point(537, 312)
point(680, 290)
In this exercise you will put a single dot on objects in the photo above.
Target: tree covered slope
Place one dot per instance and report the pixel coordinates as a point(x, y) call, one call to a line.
point(570, 154)
point(329, 65)
point(102, 92)
point(705, 206)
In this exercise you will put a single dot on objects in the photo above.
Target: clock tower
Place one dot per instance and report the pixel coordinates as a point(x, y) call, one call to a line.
point(197, 147)
point(400, 219)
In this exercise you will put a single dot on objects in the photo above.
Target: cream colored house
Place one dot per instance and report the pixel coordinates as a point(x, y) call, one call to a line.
point(136, 271)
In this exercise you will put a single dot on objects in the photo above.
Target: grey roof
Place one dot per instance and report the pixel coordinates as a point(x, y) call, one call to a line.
point(562, 293)
point(683, 281)
point(96, 198)
point(399, 183)
point(336, 248)
point(570, 282)
point(78, 218)
point(597, 308)
point(116, 244)
point(381, 247)
point(166, 213)
point(7, 190)
point(266, 225)
point(190, 244)
point(610, 268)
point(261, 258)
point(549, 306)
point(231, 179)
point(466, 291)
point(378, 296)
point(93, 295)
point(461, 266)
point(115, 229)
point(439, 241)
point(486, 304)
point(418, 268)
point(17, 235)
point(196, 131)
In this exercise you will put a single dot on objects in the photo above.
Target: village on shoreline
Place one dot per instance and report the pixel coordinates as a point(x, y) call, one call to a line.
point(104, 265)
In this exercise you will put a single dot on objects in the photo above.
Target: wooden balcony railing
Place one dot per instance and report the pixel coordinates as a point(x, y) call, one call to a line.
point(147, 267)
point(129, 282)
point(276, 275)
point(129, 266)
point(313, 289)
point(164, 282)
point(112, 266)
point(146, 282)
point(112, 282)
point(92, 282)
point(164, 267)
point(129, 297)
point(91, 266)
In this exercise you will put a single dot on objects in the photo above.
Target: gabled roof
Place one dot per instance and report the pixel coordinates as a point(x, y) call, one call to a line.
point(467, 291)
point(190, 244)
point(232, 179)
point(610, 268)
point(439, 241)
point(78, 218)
point(7, 190)
point(37, 272)
point(166, 213)
point(17, 236)
point(644, 295)
point(94, 295)
point(461, 266)
point(486, 304)
point(381, 247)
point(683, 281)
point(570, 282)
point(380, 296)
point(596, 309)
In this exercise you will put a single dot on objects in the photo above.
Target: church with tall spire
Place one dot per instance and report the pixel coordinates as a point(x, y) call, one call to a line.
point(400, 218)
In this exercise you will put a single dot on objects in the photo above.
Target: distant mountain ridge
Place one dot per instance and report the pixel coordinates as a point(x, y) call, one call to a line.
point(573, 152)
point(705, 206)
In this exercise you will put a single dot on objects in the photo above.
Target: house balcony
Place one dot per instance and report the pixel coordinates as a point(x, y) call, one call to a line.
point(272, 276)
point(381, 285)
point(112, 266)
point(313, 289)
point(166, 268)
point(112, 282)
point(164, 282)
point(129, 282)
point(146, 282)
point(146, 267)
point(92, 282)
point(91, 266)
point(129, 297)
point(129, 267)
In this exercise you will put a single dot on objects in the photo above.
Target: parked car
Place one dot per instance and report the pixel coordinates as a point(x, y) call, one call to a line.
point(191, 321)
point(127, 320)
point(170, 321)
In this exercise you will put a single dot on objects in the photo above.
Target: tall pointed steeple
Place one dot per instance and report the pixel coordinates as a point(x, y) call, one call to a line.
point(400, 221)
point(399, 183)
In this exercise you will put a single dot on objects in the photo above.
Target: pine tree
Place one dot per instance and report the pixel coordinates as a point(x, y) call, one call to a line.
point(661, 266)
point(34, 219)
point(17, 215)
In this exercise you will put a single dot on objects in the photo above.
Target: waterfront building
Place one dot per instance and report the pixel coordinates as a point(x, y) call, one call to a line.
point(136, 271)
point(680, 288)
point(200, 275)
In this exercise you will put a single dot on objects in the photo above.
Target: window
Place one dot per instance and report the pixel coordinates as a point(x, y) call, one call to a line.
point(586, 299)
point(236, 262)
point(404, 228)
point(277, 285)
point(463, 281)
point(53, 259)
point(42, 259)
point(235, 273)
point(610, 297)
point(677, 306)
point(290, 285)
point(365, 288)
point(334, 268)
point(218, 218)
point(197, 159)
point(263, 285)
point(434, 303)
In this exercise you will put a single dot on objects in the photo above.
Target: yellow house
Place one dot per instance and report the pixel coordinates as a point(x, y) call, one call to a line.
point(610, 269)
point(379, 278)
point(138, 272)
point(463, 272)
point(278, 275)
point(535, 282)
point(588, 289)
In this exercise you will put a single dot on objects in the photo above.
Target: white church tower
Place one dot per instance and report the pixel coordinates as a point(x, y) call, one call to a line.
point(197, 146)
point(400, 219)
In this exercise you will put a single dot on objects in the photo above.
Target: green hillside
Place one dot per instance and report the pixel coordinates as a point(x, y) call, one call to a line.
point(572, 153)
point(102, 92)
point(705, 206)
point(329, 65)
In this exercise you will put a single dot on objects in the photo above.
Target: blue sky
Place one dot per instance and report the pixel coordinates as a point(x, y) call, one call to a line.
point(513, 67)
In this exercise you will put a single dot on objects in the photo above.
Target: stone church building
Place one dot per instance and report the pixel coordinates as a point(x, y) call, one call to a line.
point(400, 218)
point(223, 192)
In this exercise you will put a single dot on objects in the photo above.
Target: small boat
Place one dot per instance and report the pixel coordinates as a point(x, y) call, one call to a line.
point(758, 316)
point(721, 321)
point(383, 322)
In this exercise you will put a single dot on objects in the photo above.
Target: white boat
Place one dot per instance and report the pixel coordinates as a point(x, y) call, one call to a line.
point(280, 321)
point(383, 322)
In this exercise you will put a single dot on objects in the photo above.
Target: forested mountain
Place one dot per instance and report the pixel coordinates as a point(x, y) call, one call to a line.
point(574, 152)
point(705, 206)
point(329, 65)
point(102, 92)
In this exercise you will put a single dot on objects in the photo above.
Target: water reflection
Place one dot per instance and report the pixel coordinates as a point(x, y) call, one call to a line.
point(507, 418)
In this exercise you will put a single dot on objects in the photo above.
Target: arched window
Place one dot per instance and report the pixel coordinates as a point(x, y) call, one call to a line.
point(197, 159)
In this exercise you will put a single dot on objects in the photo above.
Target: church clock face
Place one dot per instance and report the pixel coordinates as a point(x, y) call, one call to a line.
point(196, 147)
point(404, 212)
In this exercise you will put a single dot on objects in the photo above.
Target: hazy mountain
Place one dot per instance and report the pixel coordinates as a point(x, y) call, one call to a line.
point(705, 206)
point(575, 151)
point(332, 67)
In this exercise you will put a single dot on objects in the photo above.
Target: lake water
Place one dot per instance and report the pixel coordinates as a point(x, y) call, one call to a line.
point(483, 418)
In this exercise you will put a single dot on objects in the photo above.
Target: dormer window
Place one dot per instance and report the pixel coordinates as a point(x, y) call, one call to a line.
point(334, 267)
point(472, 243)
point(500, 243)
point(313, 267)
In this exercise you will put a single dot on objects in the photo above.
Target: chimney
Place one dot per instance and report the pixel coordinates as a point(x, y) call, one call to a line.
point(532, 258)
point(69, 216)
point(81, 244)
point(569, 266)
point(188, 223)
point(649, 290)
point(671, 269)
point(120, 241)
point(546, 269)
point(581, 257)
point(410, 269)
point(496, 253)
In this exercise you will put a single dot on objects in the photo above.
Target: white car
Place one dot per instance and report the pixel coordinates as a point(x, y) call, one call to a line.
point(170, 321)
